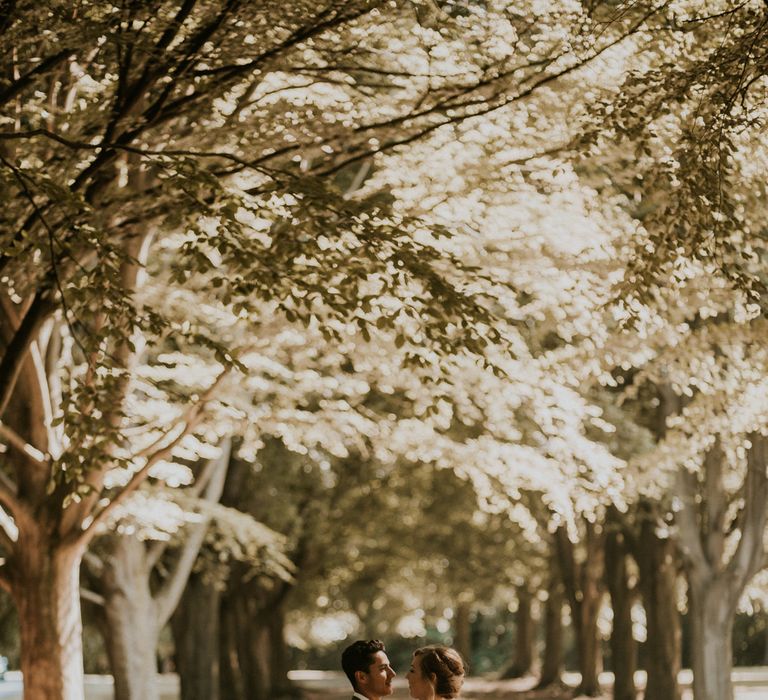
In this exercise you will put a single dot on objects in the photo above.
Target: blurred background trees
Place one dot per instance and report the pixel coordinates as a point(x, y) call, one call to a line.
point(422, 320)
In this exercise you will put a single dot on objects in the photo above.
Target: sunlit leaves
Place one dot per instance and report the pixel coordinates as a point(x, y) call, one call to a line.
point(692, 108)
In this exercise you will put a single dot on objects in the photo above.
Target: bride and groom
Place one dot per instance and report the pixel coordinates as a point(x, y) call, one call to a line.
point(436, 672)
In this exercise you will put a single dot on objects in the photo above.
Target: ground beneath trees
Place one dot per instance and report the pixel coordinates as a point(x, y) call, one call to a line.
point(751, 684)
point(488, 691)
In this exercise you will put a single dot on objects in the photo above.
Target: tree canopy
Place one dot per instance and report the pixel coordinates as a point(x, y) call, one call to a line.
point(511, 257)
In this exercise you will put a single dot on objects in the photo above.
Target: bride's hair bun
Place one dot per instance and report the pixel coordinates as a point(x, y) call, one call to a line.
point(445, 665)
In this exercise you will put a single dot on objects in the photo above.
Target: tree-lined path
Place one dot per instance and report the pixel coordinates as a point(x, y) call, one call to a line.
point(750, 684)
point(427, 320)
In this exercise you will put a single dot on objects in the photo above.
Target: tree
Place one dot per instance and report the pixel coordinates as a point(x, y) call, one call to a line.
point(695, 273)
point(698, 366)
point(705, 216)
point(127, 123)
point(523, 656)
point(694, 122)
point(138, 582)
point(584, 587)
point(553, 656)
point(105, 155)
point(622, 592)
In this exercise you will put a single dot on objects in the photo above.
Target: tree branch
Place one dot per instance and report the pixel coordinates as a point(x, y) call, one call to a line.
point(714, 505)
point(10, 322)
point(232, 73)
point(8, 485)
point(191, 48)
point(167, 598)
point(127, 97)
point(94, 563)
point(84, 145)
point(92, 597)
point(8, 531)
point(13, 359)
point(750, 552)
point(153, 454)
point(689, 538)
point(43, 67)
point(569, 568)
point(158, 547)
point(23, 446)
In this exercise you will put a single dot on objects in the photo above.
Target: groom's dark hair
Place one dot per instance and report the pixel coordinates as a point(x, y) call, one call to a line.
point(358, 656)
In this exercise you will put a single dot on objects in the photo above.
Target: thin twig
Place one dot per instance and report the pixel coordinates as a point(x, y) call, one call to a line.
point(23, 446)
point(92, 597)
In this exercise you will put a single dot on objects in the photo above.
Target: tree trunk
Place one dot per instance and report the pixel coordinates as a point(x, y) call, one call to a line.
point(268, 656)
point(715, 580)
point(622, 643)
point(657, 561)
point(712, 613)
point(132, 621)
point(584, 587)
point(463, 636)
point(45, 585)
point(261, 660)
point(588, 647)
point(231, 676)
point(134, 612)
point(552, 663)
point(524, 638)
point(195, 627)
point(247, 662)
point(254, 656)
point(281, 685)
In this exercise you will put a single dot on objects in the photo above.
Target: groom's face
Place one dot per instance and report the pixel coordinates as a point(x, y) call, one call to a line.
point(378, 681)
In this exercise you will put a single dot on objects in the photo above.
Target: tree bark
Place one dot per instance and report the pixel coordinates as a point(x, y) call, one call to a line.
point(281, 685)
point(231, 676)
point(524, 636)
point(196, 635)
point(244, 645)
point(135, 613)
point(622, 643)
point(256, 645)
point(131, 620)
point(657, 562)
point(45, 586)
point(552, 663)
point(716, 581)
point(463, 636)
point(254, 656)
point(713, 608)
point(588, 647)
point(584, 588)
point(250, 641)
point(261, 681)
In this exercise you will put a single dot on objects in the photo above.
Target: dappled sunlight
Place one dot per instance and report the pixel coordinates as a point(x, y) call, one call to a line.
point(428, 321)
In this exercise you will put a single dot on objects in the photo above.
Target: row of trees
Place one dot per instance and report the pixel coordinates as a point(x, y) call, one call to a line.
point(277, 250)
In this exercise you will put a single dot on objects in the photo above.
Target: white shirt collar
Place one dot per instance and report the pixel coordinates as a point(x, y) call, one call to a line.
point(359, 697)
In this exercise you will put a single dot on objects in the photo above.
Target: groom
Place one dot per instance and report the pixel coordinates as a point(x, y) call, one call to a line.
point(368, 670)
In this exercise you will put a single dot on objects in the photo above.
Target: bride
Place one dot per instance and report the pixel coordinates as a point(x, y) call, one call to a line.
point(436, 673)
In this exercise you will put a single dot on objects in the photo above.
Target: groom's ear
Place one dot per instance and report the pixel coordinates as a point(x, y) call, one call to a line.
point(360, 677)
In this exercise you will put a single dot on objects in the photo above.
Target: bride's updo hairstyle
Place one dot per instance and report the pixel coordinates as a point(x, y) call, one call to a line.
point(445, 666)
